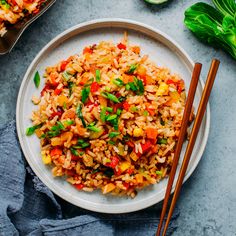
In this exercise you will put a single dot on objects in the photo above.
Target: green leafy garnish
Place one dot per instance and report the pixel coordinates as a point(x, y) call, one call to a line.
point(55, 130)
point(31, 130)
point(37, 79)
point(85, 93)
point(81, 144)
point(98, 75)
point(132, 68)
point(127, 87)
point(111, 97)
point(162, 141)
point(66, 75)
point(113, 134)
point(68, 122)
point(118, 82)
point(136, 86)
point(80, 115)
point(134, 109)
point(216, 27)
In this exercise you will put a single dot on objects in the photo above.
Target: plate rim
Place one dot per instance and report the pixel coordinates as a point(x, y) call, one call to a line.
point(50, 44)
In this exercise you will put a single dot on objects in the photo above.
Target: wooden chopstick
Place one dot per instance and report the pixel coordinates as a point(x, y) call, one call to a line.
point(182, 135)
point(198, 120)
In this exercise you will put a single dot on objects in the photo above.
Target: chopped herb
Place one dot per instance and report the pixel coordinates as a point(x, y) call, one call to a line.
point(55, 130)
point(162, 141)
point(43, 136)
point(132, 86)
point(83, 145)
point(110, 109)
point(66, 75)
point(107, 88)
point(98, 75)
point(132, 68)
point(158, 172)
point(85, 94)
point(94, 128)
point(140, 86)
point(134, 109)
point(31, 130)
point(109, 172)
point(127, 87)
point(162, 122)
point(113, 134)
point(110, 97)
point(118, 82)
point(37, 79)
point(111, 117)
point(80, 115)
point(111, 142)
point(59, 125)
point(114, 122)
point(80, 141)
point(145, 113)
point(68, 122)
point(103, 114)
point(74, 152)
point(118, 111)
point(70, 86)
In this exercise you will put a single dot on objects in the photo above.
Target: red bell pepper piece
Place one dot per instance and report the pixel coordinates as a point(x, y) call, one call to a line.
point(146, 146)
point(130, 171)
point(126, 185)
point(126, 105)
point(79, 186)
point(56, 151)
point(121, 46)
point(87, 50)
point(46, 87)
point(63, 65)
point(94, 87)
point(114, 162)
point(57, 91)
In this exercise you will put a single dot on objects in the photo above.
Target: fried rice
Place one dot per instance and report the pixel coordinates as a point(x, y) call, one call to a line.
point(109, 118)
point(12, 11)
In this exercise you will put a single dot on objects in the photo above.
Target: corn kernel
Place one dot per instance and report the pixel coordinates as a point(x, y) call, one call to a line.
point(124, 166)
point(162, 89)
point(46, 159)
point(137, 132)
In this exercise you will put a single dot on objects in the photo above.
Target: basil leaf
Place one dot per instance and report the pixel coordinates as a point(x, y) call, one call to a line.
point(37, 79)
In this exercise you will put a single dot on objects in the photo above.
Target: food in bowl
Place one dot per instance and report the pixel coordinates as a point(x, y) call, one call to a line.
point(109, 118)
point(12, 11)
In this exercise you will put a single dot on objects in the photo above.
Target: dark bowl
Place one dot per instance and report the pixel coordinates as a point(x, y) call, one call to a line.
point(9, 39)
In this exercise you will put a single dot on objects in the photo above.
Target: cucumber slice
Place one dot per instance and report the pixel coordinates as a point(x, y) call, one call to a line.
point(155, 1)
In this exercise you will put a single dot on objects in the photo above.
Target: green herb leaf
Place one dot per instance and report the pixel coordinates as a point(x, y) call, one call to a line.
point(37, 79)
point(113, 134)
point(127, 87)
point(98, 75)
point(80, 115)
point(134, 109)
point(31, 130)
point(68, 122)
point(132, 68)
point(85, 94)
point(93, 128)
point(145, 113)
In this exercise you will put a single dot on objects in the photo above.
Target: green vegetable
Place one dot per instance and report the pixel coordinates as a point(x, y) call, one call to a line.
point(68, 122)
point(134, 109)
point(127, 87)
point(111, 97)
point(81, 144)
point(110, 109)
point(66, 75)
point(158, 172)
point(74, 152)
point(70, 86)
point(37, 79)
point(95, 171)
point(122, 98)
point(103, 114)
point(79, 114)
point(93, 128)
point(113, 134)
point(155, 1)
point(85, 93)
point(98, 75)
point(132, 68)
point(216, 27)
point(59, 125)
point(111, 117)
point(145, 113)
point(111, 142)
point(55, 130)
point(136, 86)
point(3, 2)
point(118, 82)
point(118, 111)
point(114, 122)
point(107, 88)
point(162, 141)
point(31, 130)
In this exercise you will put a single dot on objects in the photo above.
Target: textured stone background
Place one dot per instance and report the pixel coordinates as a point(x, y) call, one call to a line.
point(208, 200)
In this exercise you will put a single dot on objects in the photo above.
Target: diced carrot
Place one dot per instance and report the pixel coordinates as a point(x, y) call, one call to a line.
point(136, 49)
point(56, 141)
point(87, 50)
point(56, 151)
point(141, 70)
point(127, 78)
point(139, 178)
point(58, 91)
point(84, 79)
point(151, 133)
point(121, 46)
point(134, 156)
point(103, 101)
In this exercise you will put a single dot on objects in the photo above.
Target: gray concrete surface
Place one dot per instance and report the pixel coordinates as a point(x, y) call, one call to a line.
point(208, 199)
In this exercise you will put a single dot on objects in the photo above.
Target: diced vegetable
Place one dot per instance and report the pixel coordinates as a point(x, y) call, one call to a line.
point(126, 106)
point(124, 166)
point(58, 91)
point(118, 112)
point(139, 178)
point(111, 117)
point(94, 87)
point(79, 186)
point(121, 46)
point(55, 152)
point(163, 88)
point(118, 82)
point(151, 133)
point(80, 114)
point(103, 101)
point(70, 86)
point(134, 156)
point(137, 132)
point(37, 79)
point(146, 146)
point(63, 65)
point(103, 114)
point(85, 93)
point(111, 97)
point(87, 50)
point(98, 76)
point(132, 68)
point(108, 188)
point(113, 134)
point(31, 130)
point(47, 160)
point(158, 172)
point(162, 141)
point(145, 113)
point(93, 128)
point(110, 109)
point(74, 151)
point(114, 162)
point(111, 142)
point(61, 100)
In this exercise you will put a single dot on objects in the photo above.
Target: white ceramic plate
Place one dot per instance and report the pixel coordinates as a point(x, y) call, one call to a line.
point(161, 48)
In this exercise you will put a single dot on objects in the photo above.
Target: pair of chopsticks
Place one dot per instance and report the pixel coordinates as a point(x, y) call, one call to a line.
point(198, 120)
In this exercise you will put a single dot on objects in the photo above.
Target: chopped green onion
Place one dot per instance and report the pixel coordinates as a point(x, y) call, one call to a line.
point(118, 82)
point(60, 125)
point(134, 109)
point(162, 141)
point(81, 153)
point(80, 141)
point(132, 86)
point(80, 115)
point(74, 152)
point(127, 87)
point(145, 113)
point(94, 128)
point(114, 122)
point(111, 117)
point(113, 134)
point(111, 142)
point(107, 88)
point(70, 86)
point(66, 75)
point(64, 105)
point(89, 82)
point(85, 94)
point(83, 145)
point(118, 111)
point(68, 122)
point(132, 68)
point(110, 109)
point(140, 86)
point(126, 138)
point(158, 172)
point(98, 75)
point(31, 130)
point(111, 97)
point(37, 79)
point(122, 99)
point(95, 171)
point(103, 114)
point(55, 130)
